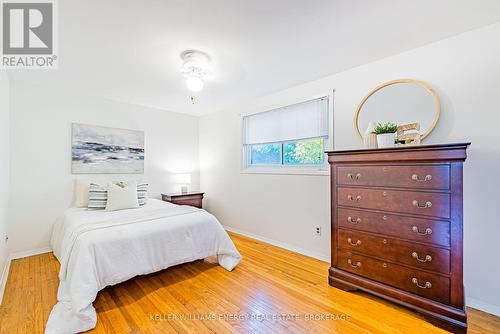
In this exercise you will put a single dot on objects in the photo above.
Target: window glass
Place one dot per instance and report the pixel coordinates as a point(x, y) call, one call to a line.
point(266, 154)
point(300, 152)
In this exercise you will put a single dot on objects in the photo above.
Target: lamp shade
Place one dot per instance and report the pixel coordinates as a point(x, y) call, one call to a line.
point(182, 178)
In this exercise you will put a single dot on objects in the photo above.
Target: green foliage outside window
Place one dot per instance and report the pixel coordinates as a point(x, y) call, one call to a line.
point(304, 152)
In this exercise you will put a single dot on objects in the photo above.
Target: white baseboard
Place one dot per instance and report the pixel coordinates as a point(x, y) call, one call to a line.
point(20, 255)
point(3, 278)
point(14, 256)
point(280, 244)
point(483, 306)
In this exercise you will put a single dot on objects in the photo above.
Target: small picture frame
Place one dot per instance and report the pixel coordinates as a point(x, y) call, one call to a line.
point(409, 134)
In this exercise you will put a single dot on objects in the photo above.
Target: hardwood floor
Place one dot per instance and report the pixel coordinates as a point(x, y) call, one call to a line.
point(272, 291)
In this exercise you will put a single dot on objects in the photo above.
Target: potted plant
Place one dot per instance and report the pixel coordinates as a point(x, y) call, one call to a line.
point(386, 134)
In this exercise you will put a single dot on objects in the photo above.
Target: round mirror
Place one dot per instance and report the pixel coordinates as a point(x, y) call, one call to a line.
point(400, 101)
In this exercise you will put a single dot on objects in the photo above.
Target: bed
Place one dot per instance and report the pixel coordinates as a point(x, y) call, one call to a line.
point(100, 248)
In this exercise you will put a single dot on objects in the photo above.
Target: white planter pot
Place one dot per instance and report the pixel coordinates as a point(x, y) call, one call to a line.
point(386, 140)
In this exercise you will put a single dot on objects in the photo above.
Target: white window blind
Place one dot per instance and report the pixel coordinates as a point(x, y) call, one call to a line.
point(299, 121)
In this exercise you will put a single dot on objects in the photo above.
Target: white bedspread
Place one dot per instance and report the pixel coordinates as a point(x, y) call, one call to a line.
point(97, 249)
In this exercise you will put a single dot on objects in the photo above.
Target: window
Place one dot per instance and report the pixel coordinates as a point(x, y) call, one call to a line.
point(292, 136)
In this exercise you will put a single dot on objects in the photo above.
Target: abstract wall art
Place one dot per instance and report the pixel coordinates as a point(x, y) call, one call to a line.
point(103, 150)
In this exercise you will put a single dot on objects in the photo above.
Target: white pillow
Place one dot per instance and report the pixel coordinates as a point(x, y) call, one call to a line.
point(81, 193)
point(142, 190)
point(120, 198)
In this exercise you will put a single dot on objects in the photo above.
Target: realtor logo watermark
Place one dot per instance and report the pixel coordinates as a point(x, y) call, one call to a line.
point(28, 34)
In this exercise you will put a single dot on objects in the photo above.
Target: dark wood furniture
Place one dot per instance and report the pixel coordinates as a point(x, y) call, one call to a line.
point(397, 227)
point(194, 198)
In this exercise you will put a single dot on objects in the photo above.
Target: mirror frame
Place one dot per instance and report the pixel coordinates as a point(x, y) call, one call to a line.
point(423, 84)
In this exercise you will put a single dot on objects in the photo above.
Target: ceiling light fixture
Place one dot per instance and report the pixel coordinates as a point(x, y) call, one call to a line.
point(194, 84)
point(195, 68)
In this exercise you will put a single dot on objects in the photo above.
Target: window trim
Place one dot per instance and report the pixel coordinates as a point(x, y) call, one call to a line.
point(306, 169)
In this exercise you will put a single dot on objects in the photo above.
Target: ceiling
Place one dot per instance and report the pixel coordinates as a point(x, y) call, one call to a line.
point(128, 51)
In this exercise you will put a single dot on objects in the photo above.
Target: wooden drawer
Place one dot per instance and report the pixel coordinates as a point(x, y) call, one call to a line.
point(196, 202)
point(193, 199)
point(415, 229)
point(404, 176)
point(431, 286)
point(416, 255)
point(413, 202)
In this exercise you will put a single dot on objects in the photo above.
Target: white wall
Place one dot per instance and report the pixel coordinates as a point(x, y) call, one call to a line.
point(41, 179)
point(465, 71)
point(4, 167)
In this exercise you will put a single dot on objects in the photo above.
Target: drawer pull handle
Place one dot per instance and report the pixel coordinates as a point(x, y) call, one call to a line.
point(415, 177)
point(357, 243)
point(427, 285)
point(427, 204)
point(428, 258)
point(352, 221)
point(354, 265)
point(354, 177)
point(427, 230)
point(352, 198)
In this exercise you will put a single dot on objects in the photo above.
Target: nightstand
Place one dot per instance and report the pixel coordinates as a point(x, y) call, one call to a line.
point(194, 198)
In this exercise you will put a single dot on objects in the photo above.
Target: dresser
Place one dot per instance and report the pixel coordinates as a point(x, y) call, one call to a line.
point(397, 227)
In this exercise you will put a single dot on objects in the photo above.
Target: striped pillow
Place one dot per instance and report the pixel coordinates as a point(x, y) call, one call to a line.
point(98, 195)
point(142, 193)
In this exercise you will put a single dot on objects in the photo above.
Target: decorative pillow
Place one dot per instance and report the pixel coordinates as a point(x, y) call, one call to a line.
point(81, 197)
point(120, 198)
point(142, 193)
point(142, 190)
point(98, 195)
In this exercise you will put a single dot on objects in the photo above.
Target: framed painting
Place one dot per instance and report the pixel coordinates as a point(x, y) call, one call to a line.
point(103, 150)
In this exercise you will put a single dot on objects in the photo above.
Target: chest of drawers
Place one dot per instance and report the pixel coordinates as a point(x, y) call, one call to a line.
point(397, 227)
